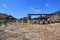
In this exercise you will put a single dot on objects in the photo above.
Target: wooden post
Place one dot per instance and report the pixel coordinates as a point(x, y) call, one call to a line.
point(29, 18)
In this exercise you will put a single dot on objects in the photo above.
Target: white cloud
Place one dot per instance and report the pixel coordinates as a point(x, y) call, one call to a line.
point(36, 10)
point(4, 5)
point(46, 4)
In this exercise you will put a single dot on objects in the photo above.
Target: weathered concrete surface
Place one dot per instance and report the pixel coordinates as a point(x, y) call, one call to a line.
point(22, 31)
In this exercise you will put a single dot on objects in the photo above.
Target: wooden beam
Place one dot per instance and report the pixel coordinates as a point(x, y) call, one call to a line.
point(41, 14)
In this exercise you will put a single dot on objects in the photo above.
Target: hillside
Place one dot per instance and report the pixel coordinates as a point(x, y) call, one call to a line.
point(4, 18)
point(24, 31)
point(57, 12)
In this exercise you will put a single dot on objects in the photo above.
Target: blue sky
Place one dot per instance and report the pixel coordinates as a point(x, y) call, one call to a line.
point(20, 8)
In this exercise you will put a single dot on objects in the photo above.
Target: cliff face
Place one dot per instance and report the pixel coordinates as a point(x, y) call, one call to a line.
point(23, 31)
